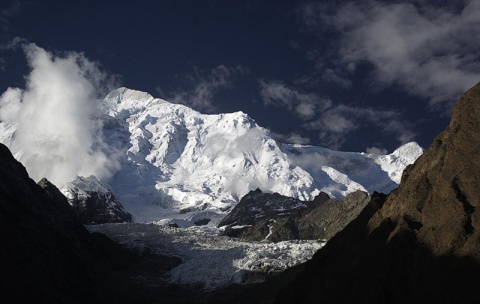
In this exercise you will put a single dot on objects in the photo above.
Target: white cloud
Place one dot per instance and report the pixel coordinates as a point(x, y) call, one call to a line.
point(312, 161)
point(57, 129)
point(295, 138)
point(376, 151)
point(291, 138)
point(304, 105)
point(335, 124)
point(430, 51)
point(10, 103)
point(199, 95)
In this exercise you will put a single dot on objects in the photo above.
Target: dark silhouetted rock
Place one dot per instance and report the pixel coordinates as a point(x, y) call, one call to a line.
point(47, 255)
point(274, 217)
point(45, 252)
point(423, 244)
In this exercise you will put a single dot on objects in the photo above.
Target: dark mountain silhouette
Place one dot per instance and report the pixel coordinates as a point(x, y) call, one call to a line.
point(423, 244)
point(47, 255)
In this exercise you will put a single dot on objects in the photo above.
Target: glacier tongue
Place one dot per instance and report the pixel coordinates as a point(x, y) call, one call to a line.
point(179, 166)
point(209, 259)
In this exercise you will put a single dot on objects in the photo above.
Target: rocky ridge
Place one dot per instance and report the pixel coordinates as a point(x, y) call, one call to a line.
point(273, 217)
point(47, 253)
point(94, 203)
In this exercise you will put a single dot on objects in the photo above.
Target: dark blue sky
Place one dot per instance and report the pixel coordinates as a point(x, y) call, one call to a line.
point(344, 75)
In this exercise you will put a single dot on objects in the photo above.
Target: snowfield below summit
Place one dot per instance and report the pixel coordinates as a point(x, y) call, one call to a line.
point(208, 259)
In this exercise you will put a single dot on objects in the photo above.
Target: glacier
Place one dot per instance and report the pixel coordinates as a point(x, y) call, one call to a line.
point(178, 166)
point(208, 259)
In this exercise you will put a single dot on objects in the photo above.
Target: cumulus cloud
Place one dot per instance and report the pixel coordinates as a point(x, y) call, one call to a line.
point(429, 50)
point(201, 88)
point(10, 104)
point(58, 134)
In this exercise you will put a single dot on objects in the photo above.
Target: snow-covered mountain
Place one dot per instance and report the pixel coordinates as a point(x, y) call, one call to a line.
point(181, 166)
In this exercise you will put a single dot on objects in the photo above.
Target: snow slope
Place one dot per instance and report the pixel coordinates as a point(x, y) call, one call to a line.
point(181, 166)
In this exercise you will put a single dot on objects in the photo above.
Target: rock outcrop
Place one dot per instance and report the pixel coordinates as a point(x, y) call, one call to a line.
point(94, 203)
point(423, 244)
point(274, 217)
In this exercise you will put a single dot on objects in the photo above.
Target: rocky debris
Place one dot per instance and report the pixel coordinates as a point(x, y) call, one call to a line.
point(94, 203)
point(274, 217)
point(423, 244)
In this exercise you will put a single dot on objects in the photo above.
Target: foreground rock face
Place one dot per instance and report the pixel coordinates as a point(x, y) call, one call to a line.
point(47, 255)
point(423, 244)
point(274, 217)
point(41, 236)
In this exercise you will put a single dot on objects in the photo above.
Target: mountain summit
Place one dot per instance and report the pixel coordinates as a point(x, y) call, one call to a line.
point(186, 165)
point(180, 166)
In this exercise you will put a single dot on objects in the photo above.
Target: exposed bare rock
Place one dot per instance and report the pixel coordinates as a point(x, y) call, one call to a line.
point(439, 197)
point(274, 217)
point(423, 245)
point(94, 203)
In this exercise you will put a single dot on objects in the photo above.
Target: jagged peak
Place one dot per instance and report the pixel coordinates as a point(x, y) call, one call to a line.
point(87, 184)
point(122, 93)
point(411, 148)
